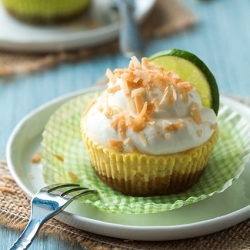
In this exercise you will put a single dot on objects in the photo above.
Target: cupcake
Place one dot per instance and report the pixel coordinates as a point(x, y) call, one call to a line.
point(148, 133)
point(45, 11)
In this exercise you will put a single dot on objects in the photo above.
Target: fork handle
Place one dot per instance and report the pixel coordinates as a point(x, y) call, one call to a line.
point(28, 235)
point(130, 39)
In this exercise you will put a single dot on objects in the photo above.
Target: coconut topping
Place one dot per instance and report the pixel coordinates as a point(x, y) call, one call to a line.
point(150, 110)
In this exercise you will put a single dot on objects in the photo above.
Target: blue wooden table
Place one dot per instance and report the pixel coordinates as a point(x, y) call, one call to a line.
point(220, 38)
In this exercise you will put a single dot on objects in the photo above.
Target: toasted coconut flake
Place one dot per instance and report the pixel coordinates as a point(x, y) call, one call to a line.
point(127, 117)
point(170, 99)
point(196, 116)
point(116, 110)
point(146, 84)
point(199, 132)
point(144, 110)
point(36, 158)
point(174, 92)
point(131, 104)
point(125, 75)
point(138, 73)
point(100, 108)
point(164, 95)
point(185, 97)
point(110, 76)
point(137, 91)
point(151, 123)
point(118, 72)
point(109, 112)
point(116, 144)
point(136, 62)
point(73, 176)
point(135, 85)
point(144, 61)
point(126, 141)
point(138, 124)
point(139, 103)
point(194, 106)
point(114, 88)
point(155, 101)
point(131, 65)
point(159, 84)
point(143, 138)
point(185, 86)
point(122, 128)
point(124, 86)
point(167, 136)
point(134, 149)
point(114, 122)
point(150, 109)
point(174, 76)
point(214, 126)
point(136, 79)
point(174, 126)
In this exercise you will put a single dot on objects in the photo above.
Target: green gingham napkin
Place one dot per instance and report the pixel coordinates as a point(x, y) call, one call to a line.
point(65, 157)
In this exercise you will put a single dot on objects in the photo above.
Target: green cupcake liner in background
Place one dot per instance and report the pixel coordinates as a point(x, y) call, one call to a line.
point(45, 11)
point(65, 159)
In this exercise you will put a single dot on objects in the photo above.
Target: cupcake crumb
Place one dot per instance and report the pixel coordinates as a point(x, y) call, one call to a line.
point(59, 157)
point(167, 136)
point(36, 158)
point(73, 176)
point(30, 176)
point(199, 132)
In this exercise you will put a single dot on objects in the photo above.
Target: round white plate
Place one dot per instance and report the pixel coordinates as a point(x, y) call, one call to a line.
point(19, 36)
point(210, 215)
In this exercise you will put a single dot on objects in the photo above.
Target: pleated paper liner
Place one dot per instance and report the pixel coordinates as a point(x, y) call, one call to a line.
point(65, 159)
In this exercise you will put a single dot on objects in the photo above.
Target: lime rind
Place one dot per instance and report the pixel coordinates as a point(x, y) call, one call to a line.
point(210, 92)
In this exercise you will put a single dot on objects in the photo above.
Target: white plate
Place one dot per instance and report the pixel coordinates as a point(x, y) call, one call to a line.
point(72, 35)
point(210, 215)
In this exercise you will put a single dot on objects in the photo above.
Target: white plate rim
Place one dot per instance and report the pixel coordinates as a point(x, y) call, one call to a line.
point(77, 39)
point(133, 232)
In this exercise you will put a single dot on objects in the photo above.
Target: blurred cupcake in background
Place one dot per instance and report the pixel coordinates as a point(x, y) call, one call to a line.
point(46, 11)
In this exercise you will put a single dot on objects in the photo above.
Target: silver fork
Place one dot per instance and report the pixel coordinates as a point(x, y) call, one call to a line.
point(47, 203)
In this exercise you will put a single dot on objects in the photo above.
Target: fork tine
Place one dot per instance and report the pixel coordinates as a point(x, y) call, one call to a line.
point(68, 195)
point(53, 187)
point(73, 190)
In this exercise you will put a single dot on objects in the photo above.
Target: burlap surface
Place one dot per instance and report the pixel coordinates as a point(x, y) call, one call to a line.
point(165, 18)
point(14, 213)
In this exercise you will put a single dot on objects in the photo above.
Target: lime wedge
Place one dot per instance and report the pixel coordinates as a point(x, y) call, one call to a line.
point(192, 69)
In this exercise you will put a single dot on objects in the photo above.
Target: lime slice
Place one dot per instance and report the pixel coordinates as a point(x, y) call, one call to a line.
point(192, 69)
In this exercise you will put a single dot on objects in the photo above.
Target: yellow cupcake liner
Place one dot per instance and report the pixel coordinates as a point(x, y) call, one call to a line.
point(139, 174)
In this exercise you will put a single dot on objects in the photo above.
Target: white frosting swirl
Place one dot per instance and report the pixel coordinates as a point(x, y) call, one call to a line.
point(175, 125)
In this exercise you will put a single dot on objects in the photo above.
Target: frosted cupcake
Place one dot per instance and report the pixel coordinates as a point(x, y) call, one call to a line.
point(46, 11)
point(148, 133)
